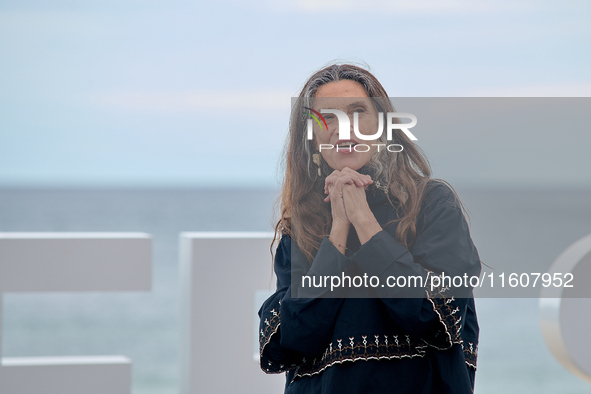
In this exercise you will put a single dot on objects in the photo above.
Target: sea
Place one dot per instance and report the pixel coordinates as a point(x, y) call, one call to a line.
point(508, 226)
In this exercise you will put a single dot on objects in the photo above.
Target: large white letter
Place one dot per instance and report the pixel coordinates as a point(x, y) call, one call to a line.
point(368, 137)
point(344, 123)
point(40, 262)
point(206, 289)
point(310, 129)
point(402, 126)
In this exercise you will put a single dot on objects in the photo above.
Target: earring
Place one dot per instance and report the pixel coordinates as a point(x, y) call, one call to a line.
point(316, 160)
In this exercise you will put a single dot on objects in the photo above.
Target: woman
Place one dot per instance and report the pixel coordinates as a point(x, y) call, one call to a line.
point(360, 209)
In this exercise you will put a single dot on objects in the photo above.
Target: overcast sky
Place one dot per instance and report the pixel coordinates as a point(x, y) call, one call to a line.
point(187, 93)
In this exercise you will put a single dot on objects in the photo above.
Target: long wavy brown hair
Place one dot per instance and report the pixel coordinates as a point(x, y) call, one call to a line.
point(304, 215)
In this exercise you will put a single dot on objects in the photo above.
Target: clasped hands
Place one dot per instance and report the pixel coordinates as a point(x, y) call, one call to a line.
point(346, 194)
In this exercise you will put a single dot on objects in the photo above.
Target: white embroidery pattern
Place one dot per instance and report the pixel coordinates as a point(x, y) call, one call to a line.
point(358, 347)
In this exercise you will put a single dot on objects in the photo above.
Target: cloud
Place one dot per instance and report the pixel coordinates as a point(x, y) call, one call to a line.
point(407, 6)
point(190, 101)
point(552, 90)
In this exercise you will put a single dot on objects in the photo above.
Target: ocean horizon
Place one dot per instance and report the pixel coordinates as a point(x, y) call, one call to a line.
point(508, 226)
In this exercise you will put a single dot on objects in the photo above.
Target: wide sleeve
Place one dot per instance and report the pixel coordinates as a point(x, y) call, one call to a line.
point(293, 328)
point(443, 247)
point(273, 358)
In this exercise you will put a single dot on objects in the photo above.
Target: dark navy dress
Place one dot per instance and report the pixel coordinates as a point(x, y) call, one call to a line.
point(384, 344)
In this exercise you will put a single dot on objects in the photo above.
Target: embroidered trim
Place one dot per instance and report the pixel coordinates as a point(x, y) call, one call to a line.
point(362, 347)
point(271, 327)
point(448, 313)
point(373, 347)
point(470, 353)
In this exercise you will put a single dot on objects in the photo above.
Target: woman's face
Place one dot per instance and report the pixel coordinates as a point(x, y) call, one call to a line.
point(349, 97)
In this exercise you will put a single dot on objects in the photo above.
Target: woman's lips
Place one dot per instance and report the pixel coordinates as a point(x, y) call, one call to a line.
point(342, 148)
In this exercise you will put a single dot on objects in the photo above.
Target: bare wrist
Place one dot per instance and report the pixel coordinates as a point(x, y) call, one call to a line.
point(338, 235)
point(366, 228)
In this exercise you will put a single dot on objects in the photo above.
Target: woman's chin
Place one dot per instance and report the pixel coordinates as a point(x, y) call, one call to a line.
point(352, 164)
point(353, 160)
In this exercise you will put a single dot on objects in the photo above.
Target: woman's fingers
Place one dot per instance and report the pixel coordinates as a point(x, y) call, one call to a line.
point(345, 177)
point(337, 181)
point(351, 176)
point(360, 179)
point(355, 202)
point(330, 180)
point(337, 204)
point(337, 186)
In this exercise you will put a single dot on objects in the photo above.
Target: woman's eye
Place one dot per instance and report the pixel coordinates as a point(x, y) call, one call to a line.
point(359, 110)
